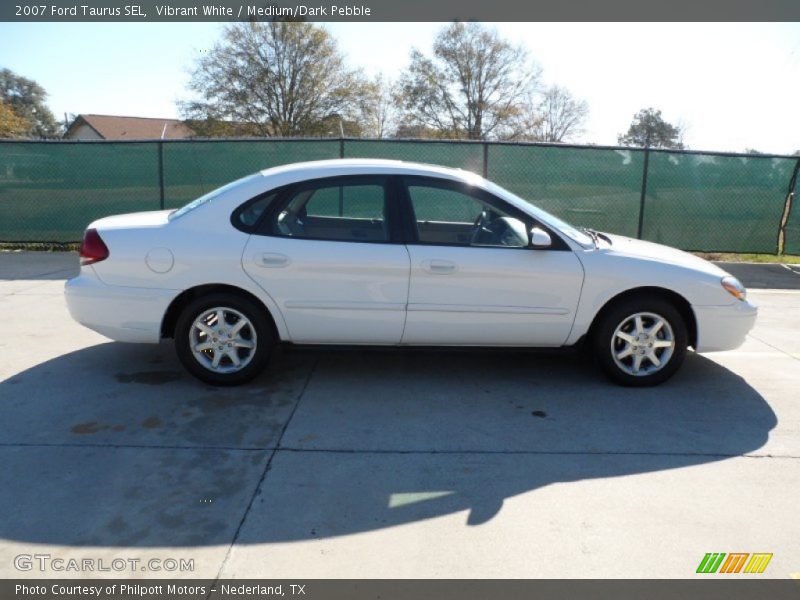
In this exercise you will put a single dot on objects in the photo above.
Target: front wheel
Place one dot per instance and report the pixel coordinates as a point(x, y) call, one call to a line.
point(641, 342)
point(223, 339)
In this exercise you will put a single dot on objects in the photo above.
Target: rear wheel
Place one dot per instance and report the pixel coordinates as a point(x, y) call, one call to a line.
point(641, 342)
point(223, 339)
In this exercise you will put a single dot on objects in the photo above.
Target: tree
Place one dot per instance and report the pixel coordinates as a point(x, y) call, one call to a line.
point(26, 98)
point(380, 111)
point(11, 124)
point(561, 116)
point(650, 129)
point(408, 129)
point(474, 85)
point(213, 128)
point(286, 78)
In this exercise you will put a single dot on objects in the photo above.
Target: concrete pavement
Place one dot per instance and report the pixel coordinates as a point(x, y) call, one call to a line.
point(387, 463)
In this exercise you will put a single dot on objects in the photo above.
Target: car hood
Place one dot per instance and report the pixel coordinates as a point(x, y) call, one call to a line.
point(153, 218)
point(625, 246)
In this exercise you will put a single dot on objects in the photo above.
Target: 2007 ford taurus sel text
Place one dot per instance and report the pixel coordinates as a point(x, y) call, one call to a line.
point(393, 253)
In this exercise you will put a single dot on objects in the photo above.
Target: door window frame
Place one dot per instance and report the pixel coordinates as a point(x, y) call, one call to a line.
point(390, 183)
point(411, 233)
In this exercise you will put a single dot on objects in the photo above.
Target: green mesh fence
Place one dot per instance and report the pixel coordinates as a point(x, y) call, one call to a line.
point(50, 192)
point(193, 168)
point(716, 203)
point(447, 154)
point(596, 188)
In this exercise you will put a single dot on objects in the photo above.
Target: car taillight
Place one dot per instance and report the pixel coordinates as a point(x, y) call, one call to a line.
point(93, 248)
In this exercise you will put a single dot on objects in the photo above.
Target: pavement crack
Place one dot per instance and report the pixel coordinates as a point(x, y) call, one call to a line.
point(263, 477)
point(530, 452)
point(133, 446)
point(278, 448)
point(790, 355)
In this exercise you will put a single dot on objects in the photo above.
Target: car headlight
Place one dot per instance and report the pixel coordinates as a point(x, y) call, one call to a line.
point(734, 287)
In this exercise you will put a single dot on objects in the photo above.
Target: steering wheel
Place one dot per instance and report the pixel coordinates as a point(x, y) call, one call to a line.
point(480, 227)
point(290, 224)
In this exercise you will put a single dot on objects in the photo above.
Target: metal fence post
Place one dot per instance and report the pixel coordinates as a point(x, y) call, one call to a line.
point(161, 175)
point(644, 191)
point(486, 160)
point(341, 147)
point(787, 210)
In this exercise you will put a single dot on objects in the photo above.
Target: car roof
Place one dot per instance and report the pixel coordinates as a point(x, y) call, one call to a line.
point(275, 177)
point(343, 166)
point(301, 171)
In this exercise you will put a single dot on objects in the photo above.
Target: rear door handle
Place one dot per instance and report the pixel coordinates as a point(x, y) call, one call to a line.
point(442, 267)
point(272, 260)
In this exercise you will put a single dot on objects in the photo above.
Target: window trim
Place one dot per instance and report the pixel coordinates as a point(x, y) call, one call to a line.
point(389, 183)
point(410, 219)
point(236, 222)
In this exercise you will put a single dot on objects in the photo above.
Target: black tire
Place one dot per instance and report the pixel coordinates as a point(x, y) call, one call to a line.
point(258, 331)
point(605, 344)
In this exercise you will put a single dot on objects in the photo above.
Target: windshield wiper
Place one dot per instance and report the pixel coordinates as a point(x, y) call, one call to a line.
point(597, 236)
point(592, 234)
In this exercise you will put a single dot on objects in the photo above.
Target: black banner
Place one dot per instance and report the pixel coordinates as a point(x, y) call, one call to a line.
point(407, 10)
point(411, 589)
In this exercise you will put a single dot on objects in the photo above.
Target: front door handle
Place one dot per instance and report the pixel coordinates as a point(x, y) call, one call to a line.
point(441, 267)
point(272, 260)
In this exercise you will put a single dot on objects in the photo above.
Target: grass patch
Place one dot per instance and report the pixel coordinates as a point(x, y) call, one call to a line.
point(40, 246)
point(789, 259)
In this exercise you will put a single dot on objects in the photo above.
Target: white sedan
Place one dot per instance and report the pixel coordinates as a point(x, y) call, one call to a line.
point(381, 252)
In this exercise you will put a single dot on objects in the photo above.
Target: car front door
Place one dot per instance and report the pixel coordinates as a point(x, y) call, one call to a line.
point(327, 255)
point(474, 281)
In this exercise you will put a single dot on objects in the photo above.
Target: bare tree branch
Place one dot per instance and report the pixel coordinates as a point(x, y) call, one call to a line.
point(473, 86)
point(278, 79)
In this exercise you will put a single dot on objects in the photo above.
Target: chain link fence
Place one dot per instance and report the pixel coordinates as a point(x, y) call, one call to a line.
point(50, 191)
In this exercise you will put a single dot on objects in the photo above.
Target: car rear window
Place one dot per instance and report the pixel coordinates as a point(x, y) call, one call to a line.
point(206, 198)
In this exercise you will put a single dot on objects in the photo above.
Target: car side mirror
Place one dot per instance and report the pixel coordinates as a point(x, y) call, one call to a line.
point(540, 238)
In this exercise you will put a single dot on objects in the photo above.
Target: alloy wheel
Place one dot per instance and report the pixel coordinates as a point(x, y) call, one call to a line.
point(223, 340)
point(642, 344)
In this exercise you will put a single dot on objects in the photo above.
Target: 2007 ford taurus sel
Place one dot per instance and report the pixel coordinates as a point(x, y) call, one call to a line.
point(393, 253)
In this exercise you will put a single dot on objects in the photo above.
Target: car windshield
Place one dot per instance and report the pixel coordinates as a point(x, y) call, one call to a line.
point(567, 229)
point(204, 199)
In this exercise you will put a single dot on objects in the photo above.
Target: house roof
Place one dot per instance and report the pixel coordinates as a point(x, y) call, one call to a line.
point(112, 127)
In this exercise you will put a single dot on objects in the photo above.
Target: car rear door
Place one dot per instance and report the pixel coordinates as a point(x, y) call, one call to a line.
point(329, 255)
point(465, 290)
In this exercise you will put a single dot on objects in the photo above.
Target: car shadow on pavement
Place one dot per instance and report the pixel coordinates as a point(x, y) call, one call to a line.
point(114, 445)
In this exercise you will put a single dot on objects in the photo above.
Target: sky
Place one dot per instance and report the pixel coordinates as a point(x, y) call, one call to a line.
point(733, 86)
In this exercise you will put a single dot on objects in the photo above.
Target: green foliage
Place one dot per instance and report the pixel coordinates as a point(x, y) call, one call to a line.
point(215, 128)
point(26, 99)
point(11, 124)
point(650, 129)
